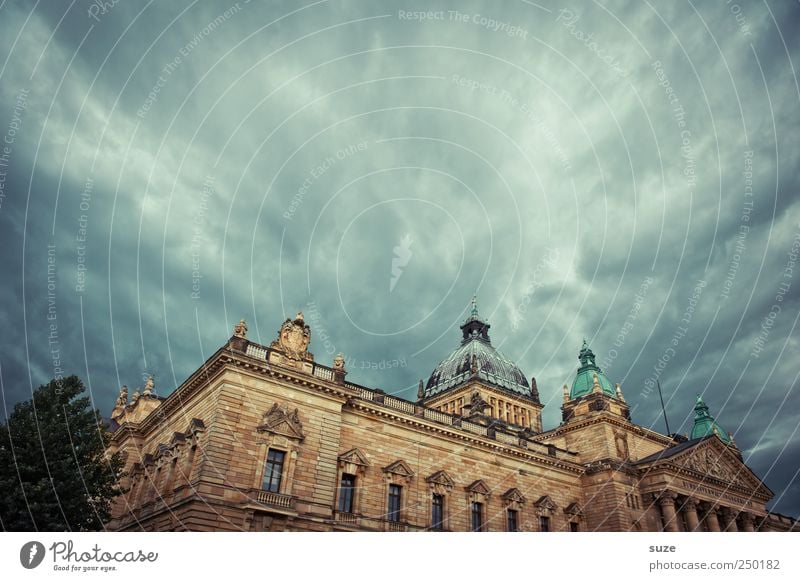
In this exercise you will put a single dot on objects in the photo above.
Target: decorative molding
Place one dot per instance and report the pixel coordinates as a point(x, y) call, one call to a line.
point(440, 482)
point(513, 498)
point(280, 421)
point(479, 489)
point(353, 461)
point(400, 469)
point(545, 506)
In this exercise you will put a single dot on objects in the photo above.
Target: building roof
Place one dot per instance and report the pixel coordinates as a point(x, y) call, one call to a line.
point(477, 358)
point(705, 424)
point(584, 380)
point(672, 451)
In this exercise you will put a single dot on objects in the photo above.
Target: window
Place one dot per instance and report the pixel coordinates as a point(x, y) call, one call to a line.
point(273, 471)
point(437, 512)
point(544, 524)
point(477, 516)
point(346, 492)
point(512, 521)
point(573, 527)
point(394, 502)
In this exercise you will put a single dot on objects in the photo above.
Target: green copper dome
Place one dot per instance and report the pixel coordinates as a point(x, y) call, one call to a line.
point(584, 381)
point(705, 424)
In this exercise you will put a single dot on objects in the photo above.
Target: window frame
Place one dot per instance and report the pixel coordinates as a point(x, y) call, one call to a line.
point(544, 524)
point(350, 495)
point(394, 503)
point(437, 525)
point(512, 520)
point(269, 471)
point(476, 510)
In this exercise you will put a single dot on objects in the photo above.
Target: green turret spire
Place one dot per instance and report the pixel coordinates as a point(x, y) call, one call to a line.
point(705, 424)
point(585, 379)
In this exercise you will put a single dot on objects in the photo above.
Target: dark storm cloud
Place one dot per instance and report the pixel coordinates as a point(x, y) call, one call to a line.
point(569, 164)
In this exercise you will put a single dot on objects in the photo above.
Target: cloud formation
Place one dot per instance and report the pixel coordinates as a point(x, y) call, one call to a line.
point(625, 173)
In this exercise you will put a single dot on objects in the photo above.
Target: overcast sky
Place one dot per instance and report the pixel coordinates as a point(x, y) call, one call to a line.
point(625, 172)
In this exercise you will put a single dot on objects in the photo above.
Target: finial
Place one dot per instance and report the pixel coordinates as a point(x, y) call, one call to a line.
point(338, 362)
point(135, 396)
point(474, 312)
point(566, 393)
point(122, 399)
point(534, 390)
point(596, 384)
point(420, 390)
point(240, 329)
point(149, 384)
point(299, 316)
point(620, 397)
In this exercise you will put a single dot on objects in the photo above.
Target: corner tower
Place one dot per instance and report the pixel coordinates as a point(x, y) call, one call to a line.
point(478, 382)
point(592, 391)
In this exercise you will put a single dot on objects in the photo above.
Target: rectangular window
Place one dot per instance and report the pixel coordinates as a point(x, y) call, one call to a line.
point(346, 493)
point(437, 512)
point(544, 524)
point(394, 502)
point(273, 470)
point(512, 521)
point(477, 516)
point(573, 527)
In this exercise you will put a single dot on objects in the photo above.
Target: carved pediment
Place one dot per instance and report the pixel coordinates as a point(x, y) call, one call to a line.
point(573, 509)
point(479, 487)
point(513, 495)
point(280, 420)
point(355, 457)
point(712, 460)
point(545, 503)
point(442, 479)
point(399, 468)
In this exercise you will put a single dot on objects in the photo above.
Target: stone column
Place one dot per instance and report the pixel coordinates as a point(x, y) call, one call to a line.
point(690, 510)
point(667, 503)
point(711, 519)
point(729, 518)
point(747, 522)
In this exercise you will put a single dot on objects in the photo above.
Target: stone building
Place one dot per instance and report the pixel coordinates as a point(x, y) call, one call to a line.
point(266, 438)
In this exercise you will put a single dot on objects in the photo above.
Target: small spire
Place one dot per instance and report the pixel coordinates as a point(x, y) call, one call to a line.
point(534, 390)
point(474, 312)
point(620, 397)
point(149, 385)
point(420, 390)
point(596, 384)
point(566, 393)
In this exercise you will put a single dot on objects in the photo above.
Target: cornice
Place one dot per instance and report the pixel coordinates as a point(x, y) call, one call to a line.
point(462, 436)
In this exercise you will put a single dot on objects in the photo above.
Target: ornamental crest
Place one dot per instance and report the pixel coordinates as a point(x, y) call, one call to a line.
point(293, 339)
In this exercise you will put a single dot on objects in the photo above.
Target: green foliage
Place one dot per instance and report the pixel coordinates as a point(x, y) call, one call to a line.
point(54, 471)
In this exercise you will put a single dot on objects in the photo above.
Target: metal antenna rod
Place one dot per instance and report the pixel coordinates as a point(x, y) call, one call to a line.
point(661, 397)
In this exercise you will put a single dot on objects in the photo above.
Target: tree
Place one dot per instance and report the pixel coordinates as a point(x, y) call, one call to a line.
point(55, 474)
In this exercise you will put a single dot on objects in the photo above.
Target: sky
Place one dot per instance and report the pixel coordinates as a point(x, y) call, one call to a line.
point(623, 172)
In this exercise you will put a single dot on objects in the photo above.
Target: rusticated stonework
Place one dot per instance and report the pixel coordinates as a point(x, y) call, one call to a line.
point(265, 438)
